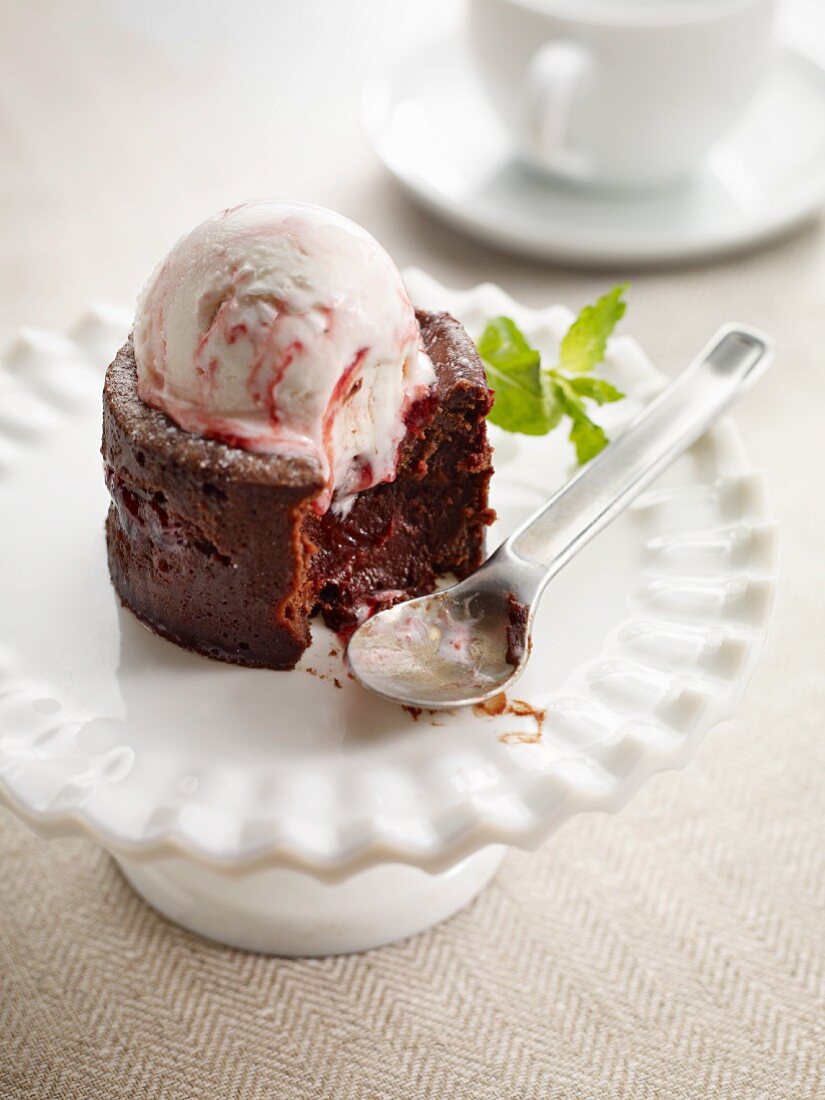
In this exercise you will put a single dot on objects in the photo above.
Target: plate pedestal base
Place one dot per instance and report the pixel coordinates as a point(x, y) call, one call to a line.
point(284, 912)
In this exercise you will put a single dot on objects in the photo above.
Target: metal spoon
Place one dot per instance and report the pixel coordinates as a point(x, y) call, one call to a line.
point(471, 641)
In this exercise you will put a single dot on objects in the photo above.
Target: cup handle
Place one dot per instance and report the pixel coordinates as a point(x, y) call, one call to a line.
point(554, 77)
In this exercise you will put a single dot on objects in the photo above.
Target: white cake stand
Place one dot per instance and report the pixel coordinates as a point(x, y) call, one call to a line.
point(292, 812)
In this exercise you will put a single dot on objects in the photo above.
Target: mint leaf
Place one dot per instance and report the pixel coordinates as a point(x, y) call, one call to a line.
point(503, 343)
point(584, 345)
point(514, 373)
point(588, 438)
point(597, 389)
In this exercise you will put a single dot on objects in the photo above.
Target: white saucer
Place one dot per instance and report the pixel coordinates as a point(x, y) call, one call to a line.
point(431, 125)
point(291, 811)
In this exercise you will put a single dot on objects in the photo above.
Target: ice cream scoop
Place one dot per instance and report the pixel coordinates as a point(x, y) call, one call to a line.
point(279, 326)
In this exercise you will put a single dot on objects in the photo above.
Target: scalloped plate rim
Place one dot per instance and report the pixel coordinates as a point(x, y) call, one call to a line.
point(479, 829)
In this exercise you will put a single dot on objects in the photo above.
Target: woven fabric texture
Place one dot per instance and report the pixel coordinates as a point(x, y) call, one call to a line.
point(674, 951)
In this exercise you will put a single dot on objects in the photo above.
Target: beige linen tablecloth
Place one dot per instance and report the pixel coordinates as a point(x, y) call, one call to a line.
point(674, 951)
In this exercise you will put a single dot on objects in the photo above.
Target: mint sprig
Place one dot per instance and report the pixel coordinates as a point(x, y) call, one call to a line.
point(533, 400)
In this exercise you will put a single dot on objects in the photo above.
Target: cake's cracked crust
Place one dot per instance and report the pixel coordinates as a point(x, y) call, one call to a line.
point(219, 549)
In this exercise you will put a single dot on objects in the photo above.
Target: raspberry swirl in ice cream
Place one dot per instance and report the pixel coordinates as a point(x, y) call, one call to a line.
point(278, 326)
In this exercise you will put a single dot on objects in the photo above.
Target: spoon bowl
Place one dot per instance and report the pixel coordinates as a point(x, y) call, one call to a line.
point(468, 641)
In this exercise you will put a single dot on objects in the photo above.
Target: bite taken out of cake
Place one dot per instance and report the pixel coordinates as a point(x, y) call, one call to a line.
point(285, 435)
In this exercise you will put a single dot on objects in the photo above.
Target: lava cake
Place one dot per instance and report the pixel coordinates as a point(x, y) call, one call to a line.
point(285, 435)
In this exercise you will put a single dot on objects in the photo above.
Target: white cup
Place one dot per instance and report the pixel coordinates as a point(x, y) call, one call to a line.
point(627, 93)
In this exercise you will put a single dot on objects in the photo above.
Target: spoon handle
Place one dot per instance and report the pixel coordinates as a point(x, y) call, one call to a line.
point(733, 359)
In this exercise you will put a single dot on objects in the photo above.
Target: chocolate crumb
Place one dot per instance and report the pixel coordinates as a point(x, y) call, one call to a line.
point(519, 708)
point(524, 709)
point(517, 638)
point(496, 705)
point(521, 737)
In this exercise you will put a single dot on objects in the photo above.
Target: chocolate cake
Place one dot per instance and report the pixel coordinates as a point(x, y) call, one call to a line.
point(223, 550)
